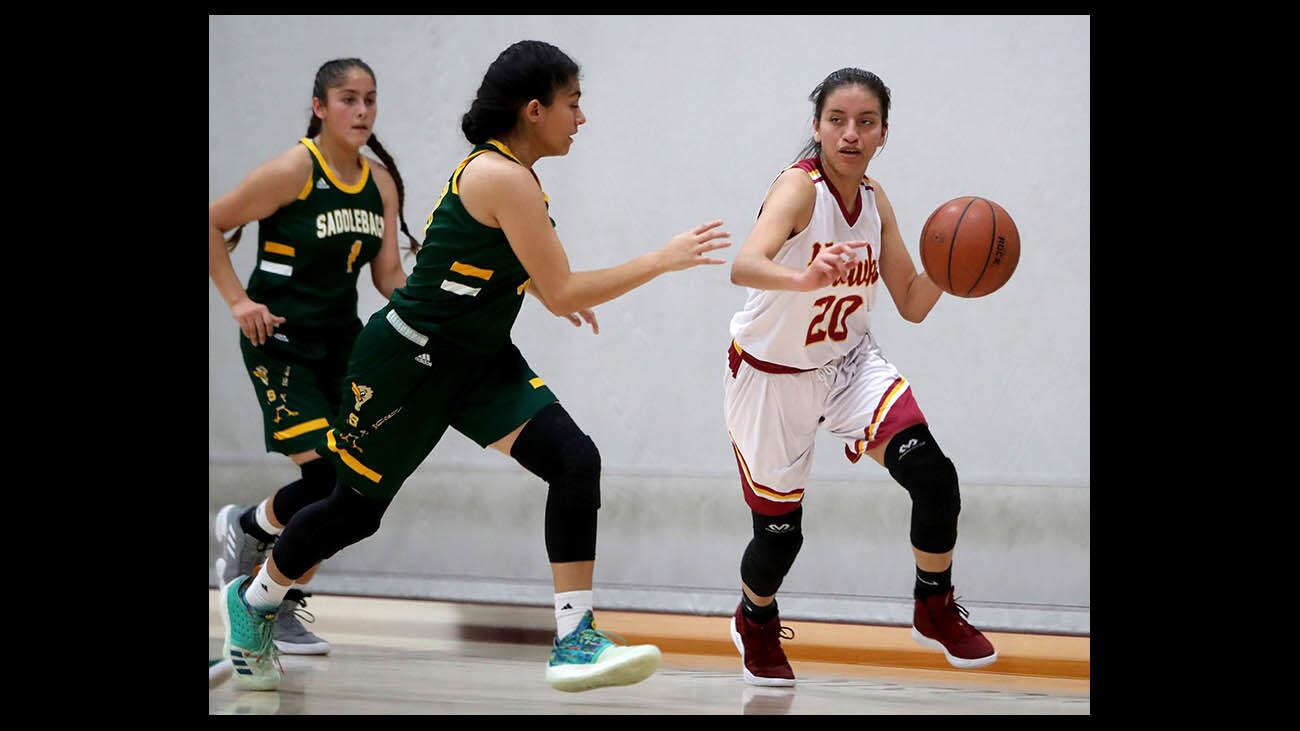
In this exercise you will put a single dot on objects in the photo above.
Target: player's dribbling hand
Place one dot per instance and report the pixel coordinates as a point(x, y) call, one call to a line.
point(687, 249)
point(255, 320)
point(587, 315)
point(832, 263)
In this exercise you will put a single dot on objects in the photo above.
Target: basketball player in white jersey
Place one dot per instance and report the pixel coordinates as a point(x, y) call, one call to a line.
point(802, 357)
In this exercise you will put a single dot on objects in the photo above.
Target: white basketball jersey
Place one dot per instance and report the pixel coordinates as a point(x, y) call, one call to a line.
point(809, 329)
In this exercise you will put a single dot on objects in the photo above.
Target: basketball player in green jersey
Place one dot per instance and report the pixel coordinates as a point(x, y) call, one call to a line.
point(439, 355)
point(324, 211)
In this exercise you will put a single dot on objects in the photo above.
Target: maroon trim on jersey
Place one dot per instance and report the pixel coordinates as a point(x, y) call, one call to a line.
point(809, 165)
point(814, 164)
point(735, 354)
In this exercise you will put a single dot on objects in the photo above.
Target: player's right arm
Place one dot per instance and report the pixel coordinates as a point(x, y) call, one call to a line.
point(269, 187)
point(504, 194)
point(787, 209)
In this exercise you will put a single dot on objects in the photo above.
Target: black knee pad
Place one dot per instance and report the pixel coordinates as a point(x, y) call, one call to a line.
point(317, 483)
point(552, 447)
point(914, 459)
point(325, 527)
point(772, 550)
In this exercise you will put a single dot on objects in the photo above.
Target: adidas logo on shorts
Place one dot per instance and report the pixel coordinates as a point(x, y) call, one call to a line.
point(423, 359)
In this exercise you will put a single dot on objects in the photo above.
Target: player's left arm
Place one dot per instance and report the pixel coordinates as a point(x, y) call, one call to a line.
point(386, 268)
point(913, 293)
point(572, 317)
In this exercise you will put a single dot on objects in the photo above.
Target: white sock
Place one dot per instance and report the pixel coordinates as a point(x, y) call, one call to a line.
point(264, 518)
point(263, 593)
point(569, 608)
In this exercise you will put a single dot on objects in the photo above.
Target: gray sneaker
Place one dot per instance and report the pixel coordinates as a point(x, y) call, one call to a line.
point(291, 638)
point(240, 552)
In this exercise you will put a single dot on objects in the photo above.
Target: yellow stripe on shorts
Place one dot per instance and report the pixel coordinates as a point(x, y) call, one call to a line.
point(351, 461)
point(302, 428)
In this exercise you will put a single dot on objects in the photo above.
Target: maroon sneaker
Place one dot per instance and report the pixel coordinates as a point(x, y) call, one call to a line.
point(761, 655)
point(939, 623)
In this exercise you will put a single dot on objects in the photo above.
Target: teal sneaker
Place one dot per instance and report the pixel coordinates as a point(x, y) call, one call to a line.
point(249, 643)
point(586, 658)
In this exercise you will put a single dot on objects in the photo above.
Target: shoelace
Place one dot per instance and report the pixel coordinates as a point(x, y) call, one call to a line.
point(962, 613)
point(778, 632)
point(266, 645)
point(300, 611)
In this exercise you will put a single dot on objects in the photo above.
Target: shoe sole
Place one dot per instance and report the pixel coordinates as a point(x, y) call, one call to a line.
point(298, 648)
point(956, 662)
point(630, 669)
point(244, 681)
point(220, 672)
point(751, 678)
point(222, 525)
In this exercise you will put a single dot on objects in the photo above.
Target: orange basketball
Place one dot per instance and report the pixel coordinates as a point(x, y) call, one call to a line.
point(970, 246)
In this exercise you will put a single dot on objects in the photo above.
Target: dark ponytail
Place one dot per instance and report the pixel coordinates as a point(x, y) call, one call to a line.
point(525, 71)
point(391, 165)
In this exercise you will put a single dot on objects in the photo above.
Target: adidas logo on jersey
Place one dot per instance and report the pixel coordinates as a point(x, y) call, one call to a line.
point(423, 359)
point(320, 183)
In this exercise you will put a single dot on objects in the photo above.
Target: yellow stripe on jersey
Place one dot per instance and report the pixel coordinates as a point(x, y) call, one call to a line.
point(537, 383)
point(504, 150)
point(361, 182)
point(520, 289)
point(886, 404)
point(306, 189)
point(455, 177)
point(275, 248)
point(471, 271)
point(351, 461)
point(302, 428)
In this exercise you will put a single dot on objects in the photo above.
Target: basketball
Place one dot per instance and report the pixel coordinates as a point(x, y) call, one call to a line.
point(970, 246)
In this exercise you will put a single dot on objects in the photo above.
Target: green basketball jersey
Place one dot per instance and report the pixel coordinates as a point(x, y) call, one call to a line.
point(467, 285)
point(310, 252)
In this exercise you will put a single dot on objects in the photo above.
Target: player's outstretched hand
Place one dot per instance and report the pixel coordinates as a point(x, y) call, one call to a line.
point(686, 250)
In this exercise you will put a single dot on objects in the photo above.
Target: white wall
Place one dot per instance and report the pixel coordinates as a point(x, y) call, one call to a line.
point(689, 119)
